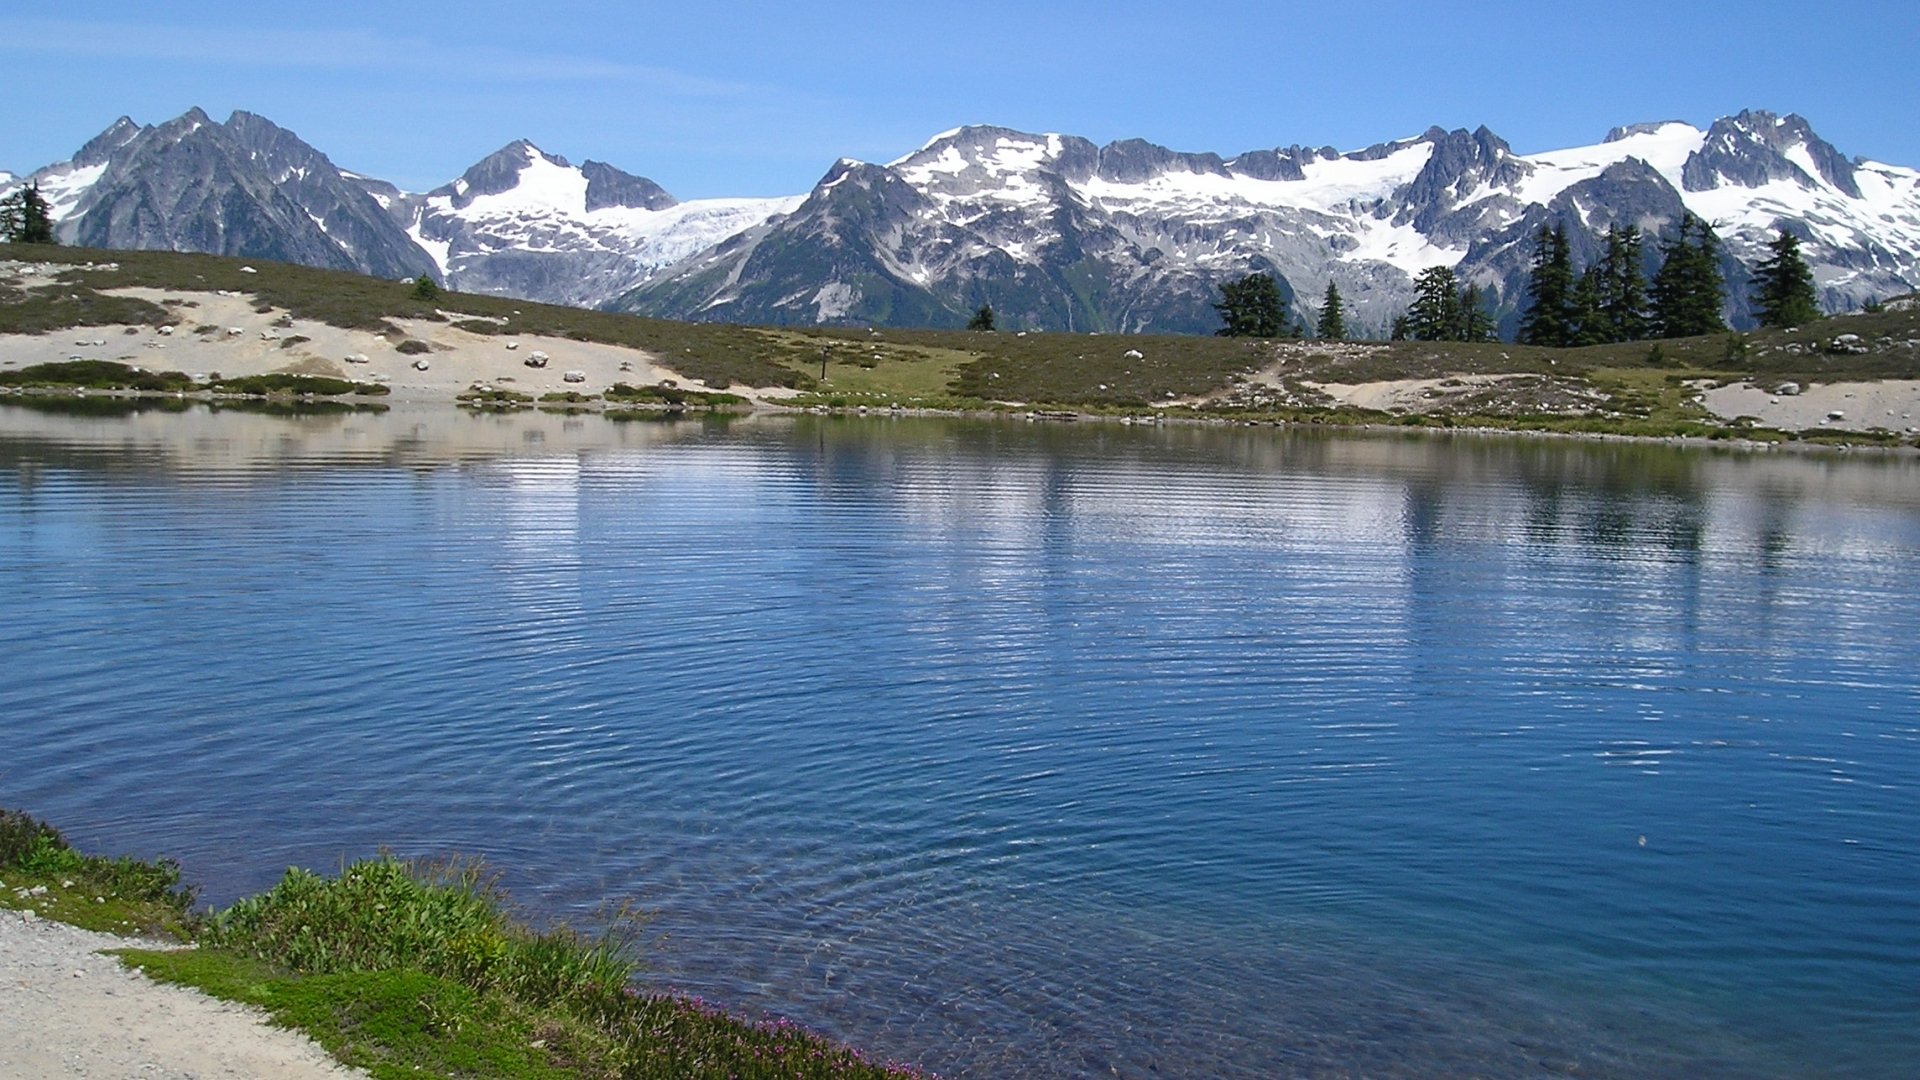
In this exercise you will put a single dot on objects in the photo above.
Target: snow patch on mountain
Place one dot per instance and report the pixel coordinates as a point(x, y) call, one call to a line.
point(63, 186)
point(1666, 147)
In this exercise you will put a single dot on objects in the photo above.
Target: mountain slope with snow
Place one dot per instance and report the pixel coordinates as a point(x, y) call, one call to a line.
point(1055, 232)
point(526, 223)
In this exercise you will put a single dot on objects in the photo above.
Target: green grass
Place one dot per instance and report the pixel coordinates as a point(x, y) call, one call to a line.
point(419, 969)
point(394, 1024)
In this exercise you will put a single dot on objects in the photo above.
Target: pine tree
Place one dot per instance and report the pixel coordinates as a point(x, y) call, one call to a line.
point(1689, 293)
point(1783, 293)
point(1402, 328)
point(1435, 314)
point(1623, 285)
point(1252, 307)
point(1476, 322)
point(26, 217)
point(982, 319)
point(1333, 315)
point(425, 289)
point(1550, 284)
point(1587, 319)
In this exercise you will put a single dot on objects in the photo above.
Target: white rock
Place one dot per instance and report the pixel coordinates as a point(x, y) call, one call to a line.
point(421, 365)
point(248, 270)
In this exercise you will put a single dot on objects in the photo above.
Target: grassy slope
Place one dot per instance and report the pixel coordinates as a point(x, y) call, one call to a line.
point(957, 369)
point(415, 970)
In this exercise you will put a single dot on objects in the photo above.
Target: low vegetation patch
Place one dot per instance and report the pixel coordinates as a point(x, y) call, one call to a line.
point(47, 308)
point(493, 396)
point(670, 396)
point(285, 384)
point(415, 968)
point(95, 375)
point(40, 872)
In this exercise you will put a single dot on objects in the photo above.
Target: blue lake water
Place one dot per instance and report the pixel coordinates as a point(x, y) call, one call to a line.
point(1036, 750)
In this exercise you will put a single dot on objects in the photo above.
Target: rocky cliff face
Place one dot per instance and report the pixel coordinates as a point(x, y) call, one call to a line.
point(245, 188)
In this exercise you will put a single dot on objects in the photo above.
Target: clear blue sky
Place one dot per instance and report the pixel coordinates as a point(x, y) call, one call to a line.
point(747, 97)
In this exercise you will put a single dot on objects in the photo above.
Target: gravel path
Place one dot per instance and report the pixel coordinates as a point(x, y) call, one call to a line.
point(67, 1011)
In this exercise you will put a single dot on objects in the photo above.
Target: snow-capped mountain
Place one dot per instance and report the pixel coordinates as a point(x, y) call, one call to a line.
point(245, 187)
point(1055, 232)
point(526, 223)
point(1051, 230)
point(520, 223)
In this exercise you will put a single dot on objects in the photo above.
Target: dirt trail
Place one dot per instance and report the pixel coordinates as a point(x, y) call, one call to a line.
point(67, 1011)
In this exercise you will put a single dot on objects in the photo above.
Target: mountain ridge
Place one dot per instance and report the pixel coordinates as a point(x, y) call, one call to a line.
point(1053, 231)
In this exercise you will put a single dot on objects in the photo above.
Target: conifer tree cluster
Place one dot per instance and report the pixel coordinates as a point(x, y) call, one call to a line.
point(26, 217)
point(1444, 311)
point(1611, 301)
point(1688, 292)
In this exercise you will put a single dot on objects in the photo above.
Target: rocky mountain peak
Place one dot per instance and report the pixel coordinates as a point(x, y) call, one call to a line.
point(497, 173)
point(1755, 148)
point(101, 146)
point(608, 186)
point(1628, 131)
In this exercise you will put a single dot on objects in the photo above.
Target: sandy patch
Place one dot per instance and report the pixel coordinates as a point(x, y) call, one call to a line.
point(1413, 395)
point(1893, 404)
point(246, 342)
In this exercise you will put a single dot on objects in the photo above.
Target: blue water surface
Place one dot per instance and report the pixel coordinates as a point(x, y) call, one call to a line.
point(1036, 750)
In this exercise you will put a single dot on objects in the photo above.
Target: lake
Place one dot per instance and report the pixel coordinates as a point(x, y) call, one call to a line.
point(1045, 750)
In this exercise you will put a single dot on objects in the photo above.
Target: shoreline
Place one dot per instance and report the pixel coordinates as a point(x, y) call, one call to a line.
point(1838, 443)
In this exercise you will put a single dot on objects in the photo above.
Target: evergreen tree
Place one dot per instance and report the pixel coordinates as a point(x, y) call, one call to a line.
point(1333, 316)
point(1623, 285)
point(26, 217)
point(1252, 307)
point(425, 289)
point(1688, 292)
point(1435, 314)
point(1550, 285)
point(1783, 293)
point(982, 319)
point(1402, 328)
point(1476, 322)
point(1586, 312)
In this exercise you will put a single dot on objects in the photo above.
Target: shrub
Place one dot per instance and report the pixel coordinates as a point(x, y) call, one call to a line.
point(412, 347)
